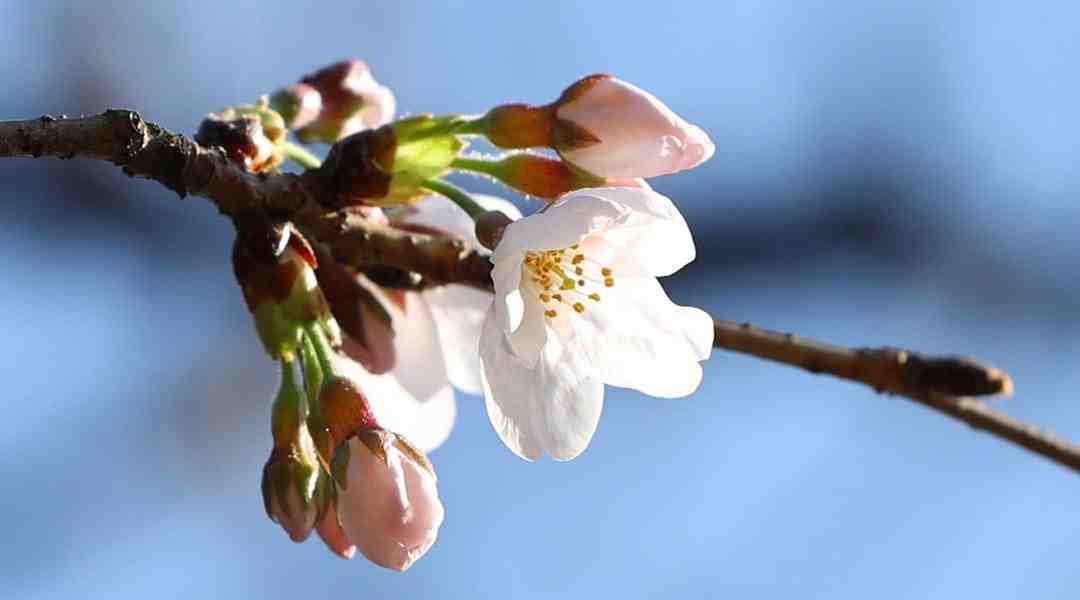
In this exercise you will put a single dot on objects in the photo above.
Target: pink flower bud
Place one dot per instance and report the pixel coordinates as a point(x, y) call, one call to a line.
point(334, 536)
point(298, 104)
point(611, 128)
point(389, 506)
point(352, 101)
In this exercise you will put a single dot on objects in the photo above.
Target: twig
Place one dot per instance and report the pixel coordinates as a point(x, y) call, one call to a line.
point(941, 383)
point(147, 150)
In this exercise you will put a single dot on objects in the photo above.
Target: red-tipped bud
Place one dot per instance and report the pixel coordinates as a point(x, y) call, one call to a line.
point(352, 101)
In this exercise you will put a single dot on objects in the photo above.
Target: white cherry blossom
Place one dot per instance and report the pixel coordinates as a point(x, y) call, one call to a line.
point(577, 305)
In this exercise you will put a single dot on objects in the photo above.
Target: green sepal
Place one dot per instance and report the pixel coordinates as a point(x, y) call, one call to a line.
point(425, 150)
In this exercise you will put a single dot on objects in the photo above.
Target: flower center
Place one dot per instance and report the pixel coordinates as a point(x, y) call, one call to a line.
point(566, 276)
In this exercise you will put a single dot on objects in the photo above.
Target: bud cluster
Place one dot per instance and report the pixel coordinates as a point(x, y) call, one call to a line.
point(332, 469)
point(335, 466)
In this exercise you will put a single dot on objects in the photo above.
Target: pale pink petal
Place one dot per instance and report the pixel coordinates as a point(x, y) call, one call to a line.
point(638, 135)
point(553, 407)
point(458, 312)
point(334, 536)
point(390, 510)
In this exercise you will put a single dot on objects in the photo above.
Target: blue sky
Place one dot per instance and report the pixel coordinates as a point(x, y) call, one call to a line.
point(138, 397)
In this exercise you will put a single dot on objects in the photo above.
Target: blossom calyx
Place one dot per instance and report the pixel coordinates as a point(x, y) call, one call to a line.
point(343, 411)
point(536, 175)
point(388, 503)
point(351, 100)
point(252, 136)
point(387, 166)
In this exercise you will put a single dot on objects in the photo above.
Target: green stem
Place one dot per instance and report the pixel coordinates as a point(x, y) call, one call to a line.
point(456, 195)
point(472, 126)
point(301, 156)
point(321, 348)
point(476, 165)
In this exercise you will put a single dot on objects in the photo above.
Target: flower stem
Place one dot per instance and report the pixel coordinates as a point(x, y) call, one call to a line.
point(321, 348)
point(456, 195)
point(471, 126)
point(475, 165)
point(301, 156)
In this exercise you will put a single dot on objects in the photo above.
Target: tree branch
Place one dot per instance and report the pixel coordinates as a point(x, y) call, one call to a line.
point(941, 383)
point(147, 150)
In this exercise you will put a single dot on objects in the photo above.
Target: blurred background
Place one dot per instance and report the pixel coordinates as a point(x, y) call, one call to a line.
point(899, 173)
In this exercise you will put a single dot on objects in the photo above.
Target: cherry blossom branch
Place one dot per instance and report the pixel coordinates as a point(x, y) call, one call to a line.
point(144, 149)
point(147, 150)
point(941, 383)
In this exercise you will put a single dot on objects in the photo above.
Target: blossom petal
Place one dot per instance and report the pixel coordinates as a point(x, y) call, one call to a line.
point(653, 238)
point(638, 338)
point(559, 225)
point(421, 366)
point(458, 312)
point(553, 407)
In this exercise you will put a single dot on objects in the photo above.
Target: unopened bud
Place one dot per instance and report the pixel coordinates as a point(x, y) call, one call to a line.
point(388, 166)
point(298, 104)
point(490, 227)
point(611, 128)
point(389, 504)
point(292, 472)
point(288, 494)
point(362, 167)
point(252, 136)
point(352, 101)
